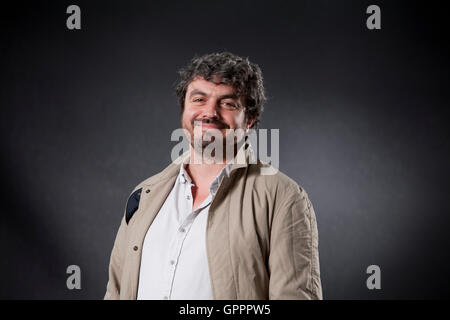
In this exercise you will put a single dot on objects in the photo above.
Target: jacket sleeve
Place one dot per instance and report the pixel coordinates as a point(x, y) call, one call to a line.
point(116, 263)
point(294, 254)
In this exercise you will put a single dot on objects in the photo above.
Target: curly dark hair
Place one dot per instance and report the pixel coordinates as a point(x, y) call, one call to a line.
point(244, 76)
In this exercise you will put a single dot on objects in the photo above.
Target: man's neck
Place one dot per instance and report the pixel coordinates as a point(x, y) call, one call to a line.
point(202, 174)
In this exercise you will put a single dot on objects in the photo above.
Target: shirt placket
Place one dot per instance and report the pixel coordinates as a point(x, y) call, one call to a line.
point(185, 224)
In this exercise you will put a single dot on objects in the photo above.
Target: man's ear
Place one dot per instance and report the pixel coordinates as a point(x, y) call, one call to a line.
point(250, 123)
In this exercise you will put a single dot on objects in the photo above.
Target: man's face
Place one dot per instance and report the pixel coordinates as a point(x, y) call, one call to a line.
point(212, 106)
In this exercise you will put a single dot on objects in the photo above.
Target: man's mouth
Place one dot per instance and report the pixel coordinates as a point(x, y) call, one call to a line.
point(209, 125)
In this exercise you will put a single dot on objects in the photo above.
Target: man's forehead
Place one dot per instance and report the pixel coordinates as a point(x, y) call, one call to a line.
point(212, 86)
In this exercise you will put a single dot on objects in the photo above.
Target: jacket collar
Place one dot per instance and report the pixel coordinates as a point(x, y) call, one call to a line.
point(243, 158)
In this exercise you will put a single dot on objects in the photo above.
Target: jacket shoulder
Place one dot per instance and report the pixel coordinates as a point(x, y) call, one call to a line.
point(135, 196)
point(275, 181)
point(165, 174)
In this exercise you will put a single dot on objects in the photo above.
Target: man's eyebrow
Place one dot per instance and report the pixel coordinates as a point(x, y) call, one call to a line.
point(229, 96)
point(196, 91)
point(225, 96)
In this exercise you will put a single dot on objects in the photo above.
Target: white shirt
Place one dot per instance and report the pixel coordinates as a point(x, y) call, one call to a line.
point(174, 262)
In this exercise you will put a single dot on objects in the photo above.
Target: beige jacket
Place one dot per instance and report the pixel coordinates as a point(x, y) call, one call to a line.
point(261, 236)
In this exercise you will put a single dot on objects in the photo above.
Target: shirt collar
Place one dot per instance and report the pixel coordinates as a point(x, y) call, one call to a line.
point(183, 176)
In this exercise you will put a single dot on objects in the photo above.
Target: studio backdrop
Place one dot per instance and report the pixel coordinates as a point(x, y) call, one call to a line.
point(361, 103)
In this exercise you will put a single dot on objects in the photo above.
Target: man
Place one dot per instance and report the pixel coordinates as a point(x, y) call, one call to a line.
point(217, 229)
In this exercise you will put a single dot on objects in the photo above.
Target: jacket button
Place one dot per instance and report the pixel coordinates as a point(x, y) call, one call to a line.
point(147, 191)
point(135, 248)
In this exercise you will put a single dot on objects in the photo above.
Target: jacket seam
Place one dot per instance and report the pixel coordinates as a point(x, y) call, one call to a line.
point(310, 284)
point(311, 256)
point(229, 247)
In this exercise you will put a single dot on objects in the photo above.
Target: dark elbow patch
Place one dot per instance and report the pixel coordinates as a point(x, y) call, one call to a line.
point(132, 204)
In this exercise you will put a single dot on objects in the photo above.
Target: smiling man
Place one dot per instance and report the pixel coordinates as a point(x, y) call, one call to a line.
point(217, 228)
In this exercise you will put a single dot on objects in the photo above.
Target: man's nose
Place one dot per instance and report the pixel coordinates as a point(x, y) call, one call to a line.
point(210, 110)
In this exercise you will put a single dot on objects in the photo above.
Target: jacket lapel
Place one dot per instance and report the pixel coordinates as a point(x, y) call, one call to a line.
point(153, 197)
point(221, 267)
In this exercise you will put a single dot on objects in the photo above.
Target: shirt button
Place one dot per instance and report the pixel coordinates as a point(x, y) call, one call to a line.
point(172, 262)
point(182, 230)
point(188, 197)
point(135, 248)
point(166, 298)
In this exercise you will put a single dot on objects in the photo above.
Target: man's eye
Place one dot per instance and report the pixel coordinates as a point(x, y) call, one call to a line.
point(229, 105)
point(198, 100)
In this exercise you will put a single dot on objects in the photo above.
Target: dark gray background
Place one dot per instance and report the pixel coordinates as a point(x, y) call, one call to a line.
point(86, 115)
